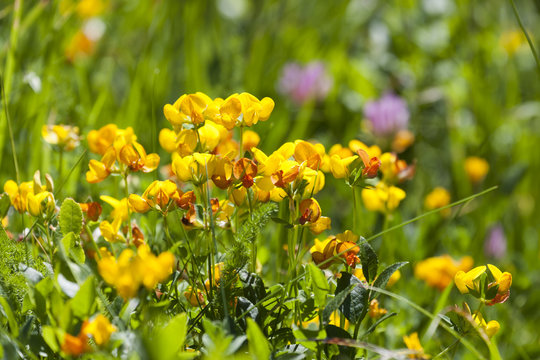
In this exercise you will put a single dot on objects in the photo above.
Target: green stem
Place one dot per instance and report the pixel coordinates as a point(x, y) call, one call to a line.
point(355, 211)
point(60, 163)
point(240, 149)
point(533, 50)
point(130, 235)
point(89, 233)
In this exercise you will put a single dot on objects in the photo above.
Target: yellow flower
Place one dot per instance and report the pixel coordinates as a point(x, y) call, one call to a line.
point(306, 153)
point(75, 345)
point(491, 328)
point(322, 224)
point(356, 145)
point(195, 297)
point(402, 140)
point(343, 244)
point(194, 168)
point(511, 41)
point(413, 343)
point(375, 311)
point(40, 203)
point(254, 110)
point(64, 136)
point(340, 166)
point(439, 271)
point(133, 270)
point(100, 329)
point(476, 168)
point(395, 170)
point(478, 285)
point(382, 198)
point(120, 213)
point(250, 139)
point(90, 8)
point(18, 194)
point(157, 195)
point(310, 211)
point(437, 198)
point(100, 140)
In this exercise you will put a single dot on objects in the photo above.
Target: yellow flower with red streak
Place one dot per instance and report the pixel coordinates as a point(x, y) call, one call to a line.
point(66, 137)
point(195, 297)
point(439, 271)
point(486, 282)
point(395, 170)
point(335, 247)
point(158, 195)
point(135, 269)
point(116, 145)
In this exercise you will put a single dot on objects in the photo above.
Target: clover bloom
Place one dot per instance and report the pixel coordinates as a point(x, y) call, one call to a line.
point(439, 271)
point(66, 137)
point(476, 168)
point(487, 282)
point(387, 115)
point(495, 242)
point(304, 83)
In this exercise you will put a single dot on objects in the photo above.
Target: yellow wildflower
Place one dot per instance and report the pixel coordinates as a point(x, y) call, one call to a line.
point(100, 329)
point(65, 137)
point(413, 343)
point(476, 168)
point(382, 198)
point(157, 195)
point(250, 139)
point(375, 311)
point(471, 282)
point(439, 271)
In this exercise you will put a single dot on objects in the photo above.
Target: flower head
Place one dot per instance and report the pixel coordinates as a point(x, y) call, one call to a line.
point(439, 271)
point(387, 115)
point(485, 282)
point(304, 83)
point(476, 168)
point(65, 137)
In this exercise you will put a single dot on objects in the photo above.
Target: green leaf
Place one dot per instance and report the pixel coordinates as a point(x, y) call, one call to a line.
point(166, 341)
point(385, 275)
point(8, 312)
point(82, 303)
point(335, 303)
point(258, 344)
point(354, 306)
point(282, 222)
point(377, 323)
point(50, 337)
point(70, 217)
point(4, 205)
point(73, 248)
point(369, 259)
point(319, 284)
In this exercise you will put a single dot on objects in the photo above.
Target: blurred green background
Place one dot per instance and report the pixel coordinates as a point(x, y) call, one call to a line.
point(464, 68)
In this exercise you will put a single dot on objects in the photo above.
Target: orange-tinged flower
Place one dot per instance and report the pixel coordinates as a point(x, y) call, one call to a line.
point(476, 168)
point(195, 297)
point(395, 170)
point(340, 151)
point(158, 195)
point(439, 271)
point(245, 171)
point(223, 172)
point(305, 152)
point(322, 224)
point(135, 157)
point(357, 145)
point(375, 311)
point(91, 209)
point(310, 211)
point(80, 45)
point(75, 345)
point(343, 244)
point(100, 140)
point(371, 165)
point(402, 140)
point(18, 194)
point(323, 251)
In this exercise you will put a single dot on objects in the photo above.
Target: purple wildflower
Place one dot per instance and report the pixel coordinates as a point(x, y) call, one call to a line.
point(387, 115)
point(303, 83)
point(495, 243)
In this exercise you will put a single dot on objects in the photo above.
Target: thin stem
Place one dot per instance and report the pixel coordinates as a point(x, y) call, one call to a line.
point(533, 50)
point(89, 233)
point(130, 235)
point(355, 210)
point(241, 148)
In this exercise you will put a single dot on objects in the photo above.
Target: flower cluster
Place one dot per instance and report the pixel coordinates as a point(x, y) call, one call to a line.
point(32, 196)
point(487, 283)
point(135, 269)
point(99, 329)
point(120, 153)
